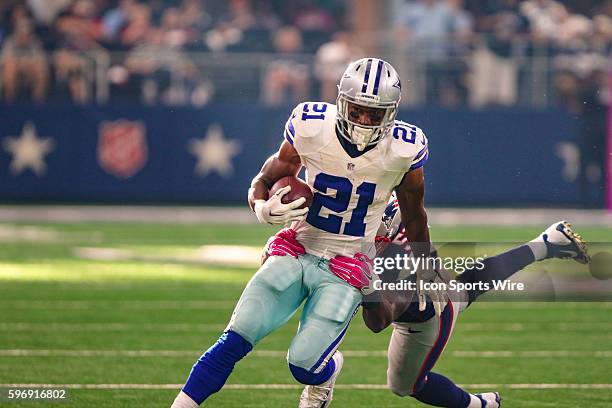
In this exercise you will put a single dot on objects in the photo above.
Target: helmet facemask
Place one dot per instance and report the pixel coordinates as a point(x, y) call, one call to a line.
point(362, 135)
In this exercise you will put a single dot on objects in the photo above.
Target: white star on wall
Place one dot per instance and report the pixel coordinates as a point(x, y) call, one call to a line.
point(214, 152)
point(28, 150)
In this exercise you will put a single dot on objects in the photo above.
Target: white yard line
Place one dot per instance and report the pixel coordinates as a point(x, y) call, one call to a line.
point(112, 327)
point(283, 353)
point(196, 327)
point(532, 354)
point(122, 304)
point(294, 386)
point(242, 215)
point(230, 303)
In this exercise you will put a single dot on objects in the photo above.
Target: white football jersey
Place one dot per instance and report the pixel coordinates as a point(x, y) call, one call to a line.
point(350, 194)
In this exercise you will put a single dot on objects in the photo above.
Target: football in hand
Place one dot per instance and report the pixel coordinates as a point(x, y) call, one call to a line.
point(298, 189)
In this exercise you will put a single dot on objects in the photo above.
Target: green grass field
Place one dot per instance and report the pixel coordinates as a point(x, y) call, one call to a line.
point(139, 312)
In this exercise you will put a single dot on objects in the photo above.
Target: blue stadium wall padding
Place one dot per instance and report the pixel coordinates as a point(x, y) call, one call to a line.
point(142, 155)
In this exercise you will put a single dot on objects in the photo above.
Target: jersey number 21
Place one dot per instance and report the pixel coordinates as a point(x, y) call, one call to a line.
point(344, 189)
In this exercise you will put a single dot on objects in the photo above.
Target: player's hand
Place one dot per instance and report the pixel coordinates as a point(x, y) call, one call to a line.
point(283, 243)
point(437, 299)
point(356, 271)
point(273, 211)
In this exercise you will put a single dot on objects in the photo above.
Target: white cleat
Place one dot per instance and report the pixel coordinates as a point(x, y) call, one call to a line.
point(562, 242)
point(490, 399)
point(320, 396)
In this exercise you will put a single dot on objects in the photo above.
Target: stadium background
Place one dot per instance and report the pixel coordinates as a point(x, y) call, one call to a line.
point(123, 122)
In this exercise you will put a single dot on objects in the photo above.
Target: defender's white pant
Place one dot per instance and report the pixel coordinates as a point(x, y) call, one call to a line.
point(415, 347)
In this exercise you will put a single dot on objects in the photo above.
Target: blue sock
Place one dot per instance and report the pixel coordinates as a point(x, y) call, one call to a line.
point(210, 372)
point(439, 391)
point(304, 376)
point(499, 267)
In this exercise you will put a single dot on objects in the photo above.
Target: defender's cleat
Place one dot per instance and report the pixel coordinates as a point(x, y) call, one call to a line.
point(489, 399)
point(562, 242)
point(320, 396)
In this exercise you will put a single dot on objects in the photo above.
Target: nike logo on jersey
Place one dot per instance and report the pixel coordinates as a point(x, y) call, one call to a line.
point(414, 331)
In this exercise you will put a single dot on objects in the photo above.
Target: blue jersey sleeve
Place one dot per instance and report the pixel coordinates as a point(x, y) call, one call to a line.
point(421, 158)
point(290, 129)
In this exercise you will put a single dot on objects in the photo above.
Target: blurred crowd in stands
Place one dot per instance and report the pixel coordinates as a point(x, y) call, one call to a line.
point(188, 52)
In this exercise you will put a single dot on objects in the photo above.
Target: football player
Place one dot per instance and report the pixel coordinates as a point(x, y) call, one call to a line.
point(423, 321)
point(355, 154)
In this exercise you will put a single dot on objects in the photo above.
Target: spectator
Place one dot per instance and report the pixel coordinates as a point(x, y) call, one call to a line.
point(331, 61)
point(495, 66)
point(544, 17)
point(242, 29)
point(173, 31)
point(24, 63)
point(310, 16)
point(80, 28)
point(602, 36)
point(428, 28)
point(19, 14)
point(166, 74)
point(287, 79)
point(46, 11)
point(222, 37)
point(79, 31)
point(266, 17)
point(138, 25)
point(241, 15)
point(116, 19)
point(462, 27)
point(194, 19)
point(579, 50)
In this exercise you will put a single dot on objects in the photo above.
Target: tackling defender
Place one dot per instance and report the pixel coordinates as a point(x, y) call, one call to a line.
point(355, 154)
point(422, 328)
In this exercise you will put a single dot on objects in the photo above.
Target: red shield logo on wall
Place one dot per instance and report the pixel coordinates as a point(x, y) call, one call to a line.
point(122, 147)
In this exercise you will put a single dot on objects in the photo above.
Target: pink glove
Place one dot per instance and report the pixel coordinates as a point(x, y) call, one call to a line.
point(284, 243)
point(356, 271)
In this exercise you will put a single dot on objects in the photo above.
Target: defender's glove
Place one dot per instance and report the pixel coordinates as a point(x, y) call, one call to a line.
point(273, 211)
point(356, 271)
point(284, 243)
point(439, 298)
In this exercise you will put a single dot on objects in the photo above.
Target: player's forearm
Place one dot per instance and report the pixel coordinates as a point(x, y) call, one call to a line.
point(258, 190)
point(417, 231)
point(377, 316)
point(286, 162)
point(385, 308)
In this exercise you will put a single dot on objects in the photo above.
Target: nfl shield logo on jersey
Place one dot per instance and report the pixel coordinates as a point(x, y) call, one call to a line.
point(122, 147)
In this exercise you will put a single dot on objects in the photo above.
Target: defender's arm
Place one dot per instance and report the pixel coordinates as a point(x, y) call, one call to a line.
point(410, 195)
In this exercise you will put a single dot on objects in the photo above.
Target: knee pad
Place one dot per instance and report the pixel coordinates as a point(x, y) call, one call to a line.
point(304, 376)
